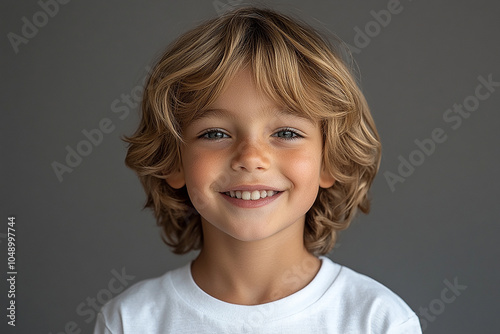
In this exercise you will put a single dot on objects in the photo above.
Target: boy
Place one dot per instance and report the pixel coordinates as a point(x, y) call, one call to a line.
point(255, 146)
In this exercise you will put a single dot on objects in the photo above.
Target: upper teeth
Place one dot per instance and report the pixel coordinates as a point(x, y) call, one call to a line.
point(251, 195)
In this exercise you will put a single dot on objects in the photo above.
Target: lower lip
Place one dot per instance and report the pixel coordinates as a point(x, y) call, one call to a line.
point(250, 204)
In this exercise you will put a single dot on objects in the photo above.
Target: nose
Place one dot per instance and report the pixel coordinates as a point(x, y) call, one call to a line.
point(251, 156)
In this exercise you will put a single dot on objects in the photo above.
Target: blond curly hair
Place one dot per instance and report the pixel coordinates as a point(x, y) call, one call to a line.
point(294, 66)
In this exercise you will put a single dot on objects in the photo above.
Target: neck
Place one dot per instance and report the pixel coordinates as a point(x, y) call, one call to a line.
point(253, 272)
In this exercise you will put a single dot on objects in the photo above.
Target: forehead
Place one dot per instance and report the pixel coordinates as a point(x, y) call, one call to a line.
point(242, 96)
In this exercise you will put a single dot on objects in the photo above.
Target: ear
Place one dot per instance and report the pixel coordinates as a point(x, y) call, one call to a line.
point(326, 180)
point(176, 179)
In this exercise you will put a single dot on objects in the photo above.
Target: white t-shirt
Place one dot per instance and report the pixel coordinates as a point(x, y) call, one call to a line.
point(337, 300)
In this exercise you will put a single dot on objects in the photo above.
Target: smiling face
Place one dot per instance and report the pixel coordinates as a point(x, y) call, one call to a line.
point(251, 169)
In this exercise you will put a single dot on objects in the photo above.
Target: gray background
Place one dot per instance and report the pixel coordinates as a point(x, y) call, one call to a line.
point(440, 225)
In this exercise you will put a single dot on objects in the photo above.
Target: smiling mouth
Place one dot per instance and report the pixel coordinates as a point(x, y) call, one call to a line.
point(251, 195)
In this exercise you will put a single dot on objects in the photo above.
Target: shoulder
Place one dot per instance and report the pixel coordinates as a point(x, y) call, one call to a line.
point(142, 303)
point(362, 299)
point(139, 293)
point(355, 284)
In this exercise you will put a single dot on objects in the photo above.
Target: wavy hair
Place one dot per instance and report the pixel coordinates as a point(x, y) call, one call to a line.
point(293, 65)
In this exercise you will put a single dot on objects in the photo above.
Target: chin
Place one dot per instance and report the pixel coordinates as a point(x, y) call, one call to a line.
point(255, 233)
point(250, 235)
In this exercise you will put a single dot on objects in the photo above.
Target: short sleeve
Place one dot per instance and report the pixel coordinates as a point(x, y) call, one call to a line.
point(411, 326)
point(101, 327)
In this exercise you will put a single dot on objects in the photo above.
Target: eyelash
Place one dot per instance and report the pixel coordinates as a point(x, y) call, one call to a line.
point(206, 133)
point(295, 135)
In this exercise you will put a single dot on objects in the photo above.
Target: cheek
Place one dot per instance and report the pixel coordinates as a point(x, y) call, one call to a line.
point(196, 168)
point(202, 170)
point(303, 168)
point(303, 171)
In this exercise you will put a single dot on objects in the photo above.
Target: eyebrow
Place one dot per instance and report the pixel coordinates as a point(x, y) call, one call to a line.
point(212, 112)
point(220, 112)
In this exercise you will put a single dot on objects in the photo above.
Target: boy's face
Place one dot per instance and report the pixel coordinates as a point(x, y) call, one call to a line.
point(246, 146)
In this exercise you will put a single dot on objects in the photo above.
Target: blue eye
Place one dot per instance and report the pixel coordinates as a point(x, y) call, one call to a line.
point(213, 135)
point(287, 134)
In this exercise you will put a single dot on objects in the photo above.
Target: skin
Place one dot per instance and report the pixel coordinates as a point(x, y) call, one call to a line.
point(252, 255)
